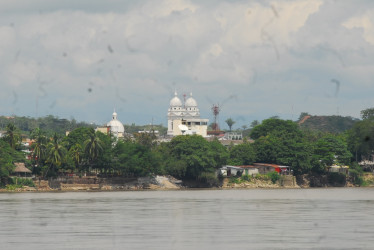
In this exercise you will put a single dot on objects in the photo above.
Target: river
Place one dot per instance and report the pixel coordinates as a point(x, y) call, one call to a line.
point(337, 218)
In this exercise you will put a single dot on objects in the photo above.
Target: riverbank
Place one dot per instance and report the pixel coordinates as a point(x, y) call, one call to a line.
point(169, 183)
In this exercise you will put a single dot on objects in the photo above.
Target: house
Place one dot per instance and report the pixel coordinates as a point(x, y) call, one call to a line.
point(265, 168)
point(227, 171)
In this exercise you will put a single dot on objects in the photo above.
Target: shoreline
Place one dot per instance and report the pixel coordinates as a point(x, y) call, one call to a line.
point(180, 189)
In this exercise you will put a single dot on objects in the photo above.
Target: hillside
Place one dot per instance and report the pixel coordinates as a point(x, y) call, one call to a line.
point(331, 124)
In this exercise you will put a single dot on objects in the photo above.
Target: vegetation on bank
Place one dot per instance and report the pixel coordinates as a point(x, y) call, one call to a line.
point(276, 141)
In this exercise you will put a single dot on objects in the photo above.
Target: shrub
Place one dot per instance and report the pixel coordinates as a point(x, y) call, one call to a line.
point(273, 176)
point(233, 180)
point(22, 182)
point(246, 178)
point(12, 187)
point(262, 177)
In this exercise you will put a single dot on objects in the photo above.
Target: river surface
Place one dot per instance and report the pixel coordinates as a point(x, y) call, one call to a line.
point(341, 218)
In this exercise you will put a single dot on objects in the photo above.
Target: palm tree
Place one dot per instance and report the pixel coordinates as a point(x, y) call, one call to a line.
point(39, 146)
point(75, 153)
point(93, 147)
point(230, 122)
point(11, 135)
point(56, 152)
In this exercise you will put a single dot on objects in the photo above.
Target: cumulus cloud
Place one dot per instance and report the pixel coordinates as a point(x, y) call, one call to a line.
point(276, 57)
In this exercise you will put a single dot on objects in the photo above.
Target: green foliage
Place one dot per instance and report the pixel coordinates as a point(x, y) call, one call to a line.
point(23, 181)
point(262, 177)
point(16, 183)
point(12, 135)
point(330, 150)
point(278, 126)
point(246, 177)
point(92, 147)
point(329, 124)
point(254, 123)
point(78, 136)
point(242, 154)
point(230, 122)
point(361, 139)
point(133, 159)
point(50, 124)
point(8, 156)
point(282, 142)
point(273, 176)
point(234, 180)
point(367, 114)
point(198, 154)
point(302, 115)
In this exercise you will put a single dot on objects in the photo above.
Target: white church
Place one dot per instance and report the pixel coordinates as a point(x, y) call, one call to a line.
point(184, 118)
point(114, 127)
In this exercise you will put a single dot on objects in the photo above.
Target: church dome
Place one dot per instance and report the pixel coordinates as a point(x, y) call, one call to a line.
point(115, 125)
point(175, 102)
point(190, 102)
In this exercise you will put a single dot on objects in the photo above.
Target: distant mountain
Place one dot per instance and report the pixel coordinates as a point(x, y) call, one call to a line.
point(333, 124)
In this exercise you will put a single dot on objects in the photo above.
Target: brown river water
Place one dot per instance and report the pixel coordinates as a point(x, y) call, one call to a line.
point(336, 218)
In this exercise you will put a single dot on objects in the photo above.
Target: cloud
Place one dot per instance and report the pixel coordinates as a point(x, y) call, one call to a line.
point(364, 23)
point(272, 55)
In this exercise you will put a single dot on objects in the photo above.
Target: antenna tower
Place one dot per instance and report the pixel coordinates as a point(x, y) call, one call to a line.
point(216, 109)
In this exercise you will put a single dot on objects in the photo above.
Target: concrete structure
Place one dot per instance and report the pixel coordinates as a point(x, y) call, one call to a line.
point(338, 169)
point(187, 114)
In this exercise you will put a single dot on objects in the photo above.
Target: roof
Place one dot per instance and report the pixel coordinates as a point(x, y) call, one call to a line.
point(191, 102)
point(175, 102)
point(20, 168)
point(270, 165)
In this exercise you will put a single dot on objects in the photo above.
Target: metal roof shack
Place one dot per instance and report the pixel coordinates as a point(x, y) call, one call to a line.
point(264, 168)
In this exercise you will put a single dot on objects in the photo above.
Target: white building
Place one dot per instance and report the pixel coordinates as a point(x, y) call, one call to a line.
point(114, 127)
point(185, 118)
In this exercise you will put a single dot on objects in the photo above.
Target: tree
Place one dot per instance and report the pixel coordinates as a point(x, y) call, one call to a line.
point(75, 154)
point(367, 114)
point(199, 155)
point(56, 153)
point(242, 154)
point(255, 123)
point(282, 142)
point(361, 139)
point(230, 122)
point(8, 156)
point(78, 136)
point(275, 126)
point(134, 159)
point(330, 150)
point(92, 147)
point(39, 147)
point(12, 135)
point(302, 115)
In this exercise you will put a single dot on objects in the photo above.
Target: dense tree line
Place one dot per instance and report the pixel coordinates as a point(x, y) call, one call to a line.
point(189, 157)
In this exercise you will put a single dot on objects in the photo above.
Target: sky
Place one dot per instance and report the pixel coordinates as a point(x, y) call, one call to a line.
point(255, 59)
